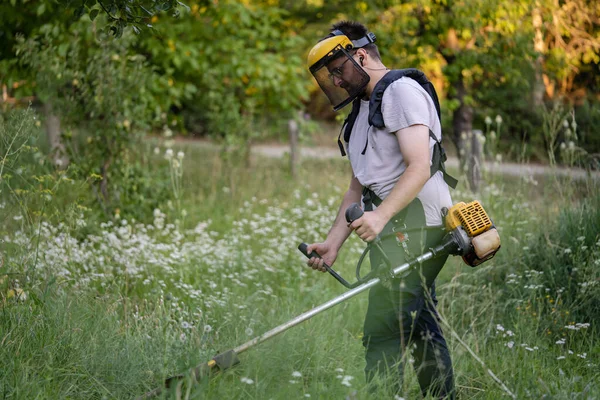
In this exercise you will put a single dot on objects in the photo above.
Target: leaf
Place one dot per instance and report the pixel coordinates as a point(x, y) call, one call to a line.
point(79, 11)
point(93, 14)
point(183, 5)
point(41, 9)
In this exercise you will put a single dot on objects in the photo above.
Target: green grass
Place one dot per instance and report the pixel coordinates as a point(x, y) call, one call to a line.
point(112, 316)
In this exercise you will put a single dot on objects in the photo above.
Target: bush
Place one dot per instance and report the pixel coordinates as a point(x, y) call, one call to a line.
point(107, 99)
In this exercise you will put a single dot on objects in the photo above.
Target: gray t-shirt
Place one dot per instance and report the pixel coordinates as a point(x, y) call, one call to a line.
point(404, 103)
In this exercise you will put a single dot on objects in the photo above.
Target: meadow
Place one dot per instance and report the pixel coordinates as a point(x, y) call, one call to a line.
point(96, 308)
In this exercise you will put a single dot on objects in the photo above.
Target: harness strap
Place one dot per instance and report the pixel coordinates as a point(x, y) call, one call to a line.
point(438, 160)
point(376, 118)
point(369, 198)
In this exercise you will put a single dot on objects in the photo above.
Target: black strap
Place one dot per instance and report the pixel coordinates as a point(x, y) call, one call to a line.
point(369, 198)
point(375, 115)
point(438, 160)
point(376, 118)
point(348, 125)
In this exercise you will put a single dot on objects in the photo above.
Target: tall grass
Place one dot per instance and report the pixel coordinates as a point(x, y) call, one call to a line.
point(112, 312)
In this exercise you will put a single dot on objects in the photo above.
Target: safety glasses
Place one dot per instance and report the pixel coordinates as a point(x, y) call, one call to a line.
point(338, 71)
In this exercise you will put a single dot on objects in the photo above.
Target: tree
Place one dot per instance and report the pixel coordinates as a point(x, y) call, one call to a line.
point(234, 64)
point(106, 96)
point(568, 45)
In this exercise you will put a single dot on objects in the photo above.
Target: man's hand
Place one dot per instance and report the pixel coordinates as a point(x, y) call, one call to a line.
point(369, 225)
point(327, 252)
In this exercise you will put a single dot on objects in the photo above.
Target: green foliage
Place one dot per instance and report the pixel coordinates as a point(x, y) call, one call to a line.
point(561, 263)
point(123, 13)
point(230, 64)
point(29, 184)
point(118, 94)
point(116, 311)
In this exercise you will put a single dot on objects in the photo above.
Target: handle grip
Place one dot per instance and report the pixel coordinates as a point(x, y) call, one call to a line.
point(353, 212)
point(303, 247)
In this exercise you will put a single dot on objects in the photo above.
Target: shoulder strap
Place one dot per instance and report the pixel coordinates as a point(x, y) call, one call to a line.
point(438, 162)
point(348, 125)
point(376, 116)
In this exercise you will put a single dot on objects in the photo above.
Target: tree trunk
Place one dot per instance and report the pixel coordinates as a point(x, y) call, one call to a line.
point(538, 45)
point(104, 182)
point(294, 150)
point(475, 160)
point(57, 148)
point(462, 124)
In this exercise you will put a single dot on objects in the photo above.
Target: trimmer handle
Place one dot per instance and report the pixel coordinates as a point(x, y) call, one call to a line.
point(353, 212)
point(303, 249)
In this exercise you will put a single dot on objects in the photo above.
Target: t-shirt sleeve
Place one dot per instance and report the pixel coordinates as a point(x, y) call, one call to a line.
point(404, 105)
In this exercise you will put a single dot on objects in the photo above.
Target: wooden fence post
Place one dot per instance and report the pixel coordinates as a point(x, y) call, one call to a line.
point(475, 160)
point(294, 150)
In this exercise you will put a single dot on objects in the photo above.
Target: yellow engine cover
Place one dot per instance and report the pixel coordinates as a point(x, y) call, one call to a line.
point(472, 217)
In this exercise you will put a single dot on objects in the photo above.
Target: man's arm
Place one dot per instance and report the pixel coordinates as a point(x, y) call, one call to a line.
point(339, 231)
point(414, 146)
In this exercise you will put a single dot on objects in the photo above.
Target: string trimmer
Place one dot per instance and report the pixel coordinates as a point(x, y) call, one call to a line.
point(470, 234)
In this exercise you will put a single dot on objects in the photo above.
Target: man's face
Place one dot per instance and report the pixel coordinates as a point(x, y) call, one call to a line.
point(341, 72)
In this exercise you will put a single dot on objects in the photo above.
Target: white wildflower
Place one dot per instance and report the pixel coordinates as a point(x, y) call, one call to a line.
point(561, 357)
point(346, 380)
point(568, 133)
point(169, 154)
point(488, 120)
point(498, 119)
point(207, 328)
point(180, 155)
point(246, 380)
point(510, 344)
point(297, 374)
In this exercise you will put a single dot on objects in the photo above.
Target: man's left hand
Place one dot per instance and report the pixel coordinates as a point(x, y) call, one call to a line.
point(369, 225)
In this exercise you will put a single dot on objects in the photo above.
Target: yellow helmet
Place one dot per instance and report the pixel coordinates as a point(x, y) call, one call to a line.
point(341, 81)
point(327, 48)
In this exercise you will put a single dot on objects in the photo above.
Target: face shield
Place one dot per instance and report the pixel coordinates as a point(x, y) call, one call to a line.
point(340, 77)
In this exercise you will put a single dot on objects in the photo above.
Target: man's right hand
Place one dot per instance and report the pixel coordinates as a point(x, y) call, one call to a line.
point(327, 252)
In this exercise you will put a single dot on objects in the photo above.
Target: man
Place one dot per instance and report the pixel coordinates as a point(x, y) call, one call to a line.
point(392, 135)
